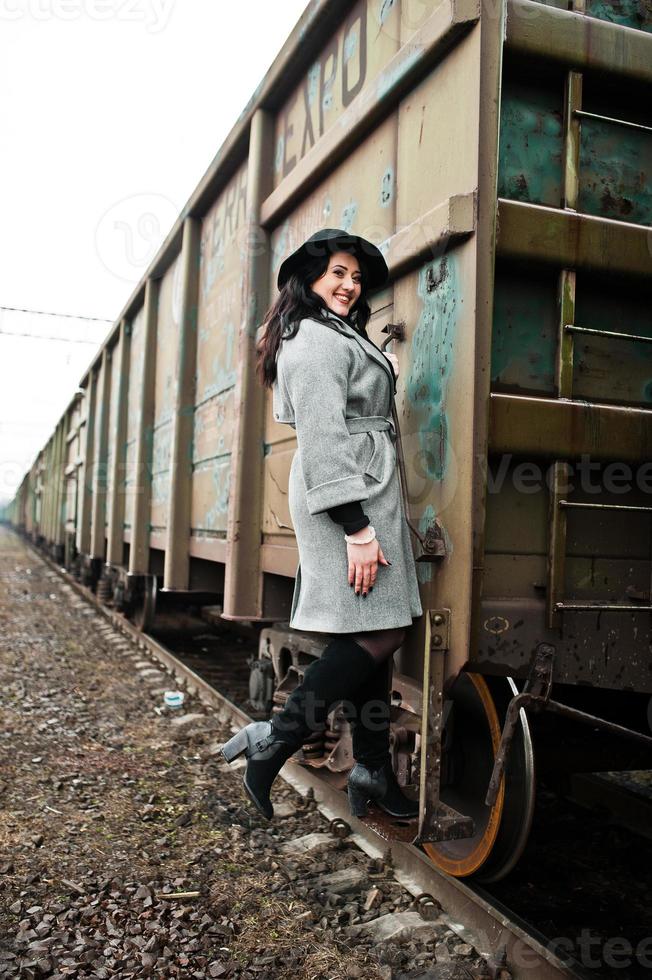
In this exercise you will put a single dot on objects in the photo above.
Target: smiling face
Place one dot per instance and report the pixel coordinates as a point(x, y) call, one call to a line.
point(340, 286)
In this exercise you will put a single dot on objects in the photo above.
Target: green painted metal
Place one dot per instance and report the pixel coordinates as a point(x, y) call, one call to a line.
point(610, 369)
point(431, 361)
point(524, 337)
point(531, 143)
point(615, 172)
point(615, 161)
point(627, 13)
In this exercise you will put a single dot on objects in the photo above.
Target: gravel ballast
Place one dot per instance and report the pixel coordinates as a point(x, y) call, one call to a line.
point(127, 847)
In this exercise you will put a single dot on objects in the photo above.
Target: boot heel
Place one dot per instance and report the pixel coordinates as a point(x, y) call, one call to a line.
point(235, 746)
point(357, 802)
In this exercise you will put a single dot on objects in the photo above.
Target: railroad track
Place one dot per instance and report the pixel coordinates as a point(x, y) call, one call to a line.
point(503, 938)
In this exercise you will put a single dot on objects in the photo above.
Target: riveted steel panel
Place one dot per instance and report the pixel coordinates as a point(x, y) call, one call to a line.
point(167, 343)
point(349, 60)
point(134, 406)
point(220, 313)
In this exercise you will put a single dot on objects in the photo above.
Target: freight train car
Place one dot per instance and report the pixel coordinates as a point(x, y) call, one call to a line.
point(501, 156)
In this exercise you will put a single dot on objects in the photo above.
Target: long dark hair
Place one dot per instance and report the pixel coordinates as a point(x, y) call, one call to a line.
point(295, 301)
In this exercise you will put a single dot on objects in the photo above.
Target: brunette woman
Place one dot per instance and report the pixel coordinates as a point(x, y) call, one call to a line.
point(356, 578)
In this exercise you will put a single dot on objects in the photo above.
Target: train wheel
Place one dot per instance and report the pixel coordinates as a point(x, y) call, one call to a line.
point(471, 740)
point(145, 605)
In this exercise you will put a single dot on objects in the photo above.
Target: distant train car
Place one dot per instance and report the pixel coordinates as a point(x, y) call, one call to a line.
point(501, 155)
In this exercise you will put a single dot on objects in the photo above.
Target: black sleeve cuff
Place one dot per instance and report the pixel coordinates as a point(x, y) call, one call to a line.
point(351, 516)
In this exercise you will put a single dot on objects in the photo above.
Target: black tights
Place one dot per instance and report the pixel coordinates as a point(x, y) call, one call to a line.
point(381, 644)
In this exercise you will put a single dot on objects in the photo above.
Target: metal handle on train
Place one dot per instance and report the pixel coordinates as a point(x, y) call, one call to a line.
point(432, 544)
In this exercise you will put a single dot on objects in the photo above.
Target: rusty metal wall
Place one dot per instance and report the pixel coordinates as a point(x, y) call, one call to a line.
point(504, 168)
point(421, 154)
point(568, 531)
point(134, 408)
point(72, 466)
point(219, 318)
point(167, 342)
point(112, 447)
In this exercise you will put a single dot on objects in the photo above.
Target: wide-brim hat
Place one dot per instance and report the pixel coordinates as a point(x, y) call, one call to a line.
point(331, 240)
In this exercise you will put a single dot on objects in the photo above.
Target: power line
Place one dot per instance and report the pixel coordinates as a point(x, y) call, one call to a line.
point(38, 336)
point(72, 316)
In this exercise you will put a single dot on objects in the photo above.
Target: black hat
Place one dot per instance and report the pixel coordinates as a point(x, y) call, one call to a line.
point(330, 240)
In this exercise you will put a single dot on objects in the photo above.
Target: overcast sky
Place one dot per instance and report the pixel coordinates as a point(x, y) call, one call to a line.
point(111, 112)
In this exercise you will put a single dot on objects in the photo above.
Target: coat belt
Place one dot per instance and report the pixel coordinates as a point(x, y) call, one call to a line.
point(373, 424)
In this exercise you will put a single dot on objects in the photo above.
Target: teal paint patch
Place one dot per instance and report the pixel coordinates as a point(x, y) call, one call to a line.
point(349, 212)
point(387, 188)
point(524, 334)
point(531, 145)
point(313, 87)
point(160, 491)
point(223, 373)
point(431, 361)
point(386, 8)
point(211, 262)
point(161, 447)
point(216, 517)
point(629, 13)
point(350, 46)
point(615, 171)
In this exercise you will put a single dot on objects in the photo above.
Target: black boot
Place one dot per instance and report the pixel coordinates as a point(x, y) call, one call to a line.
point(379, 786)
point(266, 755)
point(342, 668)
point(372, 777)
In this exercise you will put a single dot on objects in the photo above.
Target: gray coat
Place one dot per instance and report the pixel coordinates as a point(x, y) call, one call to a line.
point(336, 390)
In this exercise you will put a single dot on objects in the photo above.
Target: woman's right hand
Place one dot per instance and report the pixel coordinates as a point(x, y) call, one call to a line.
point(363, 563)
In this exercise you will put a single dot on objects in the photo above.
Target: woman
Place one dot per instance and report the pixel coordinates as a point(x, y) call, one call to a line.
point(335, 387)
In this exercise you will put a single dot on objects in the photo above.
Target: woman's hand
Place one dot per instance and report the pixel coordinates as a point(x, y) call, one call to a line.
point(363, 563)
point(394, 359)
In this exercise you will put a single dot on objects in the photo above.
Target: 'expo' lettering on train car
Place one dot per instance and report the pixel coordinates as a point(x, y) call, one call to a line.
point(333, 67)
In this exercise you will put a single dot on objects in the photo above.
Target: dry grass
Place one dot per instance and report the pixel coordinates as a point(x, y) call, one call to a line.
point(286, 930)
